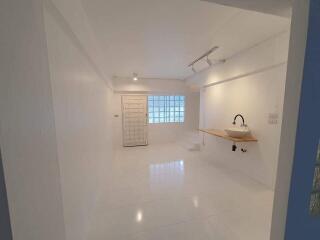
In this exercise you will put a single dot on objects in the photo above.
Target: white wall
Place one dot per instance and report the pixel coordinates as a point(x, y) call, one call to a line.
point(158, 133)
point(256, 94)
point(298, 42)
point(27, 127)
point(82, 104)
point(76, 17)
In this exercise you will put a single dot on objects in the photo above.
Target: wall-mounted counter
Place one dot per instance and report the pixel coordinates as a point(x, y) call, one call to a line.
point(223, 134)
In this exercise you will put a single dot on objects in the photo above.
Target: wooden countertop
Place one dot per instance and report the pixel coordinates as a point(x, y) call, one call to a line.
point(223, 134)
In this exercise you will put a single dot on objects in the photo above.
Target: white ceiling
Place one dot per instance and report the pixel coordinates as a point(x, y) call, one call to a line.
point(276, 7)
point(159, 38)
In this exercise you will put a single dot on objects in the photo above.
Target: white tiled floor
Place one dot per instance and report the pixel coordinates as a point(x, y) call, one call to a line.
point(164, 192)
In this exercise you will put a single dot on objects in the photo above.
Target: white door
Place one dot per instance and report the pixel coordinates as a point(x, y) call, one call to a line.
point(134, 120)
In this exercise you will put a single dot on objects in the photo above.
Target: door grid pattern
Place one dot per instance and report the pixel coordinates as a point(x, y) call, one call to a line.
point(134, 120)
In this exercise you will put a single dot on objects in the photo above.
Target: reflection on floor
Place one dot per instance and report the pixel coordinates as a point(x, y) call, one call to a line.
point(164, 192)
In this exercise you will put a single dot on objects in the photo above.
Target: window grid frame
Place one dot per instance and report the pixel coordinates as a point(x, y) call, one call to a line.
point(166, 109)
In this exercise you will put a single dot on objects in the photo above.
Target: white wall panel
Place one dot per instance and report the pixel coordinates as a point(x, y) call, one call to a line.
point(82, 104)
point(27, 126)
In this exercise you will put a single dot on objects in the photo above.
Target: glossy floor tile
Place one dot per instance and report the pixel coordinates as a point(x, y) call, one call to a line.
point(167, 192)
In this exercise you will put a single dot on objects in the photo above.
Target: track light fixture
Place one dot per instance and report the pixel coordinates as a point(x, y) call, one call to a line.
point(204, 55)
point(209, 61)
point(135, 77)
point(193, 69)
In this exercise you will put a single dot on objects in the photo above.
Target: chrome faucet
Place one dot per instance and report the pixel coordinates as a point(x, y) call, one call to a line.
point(235, 118)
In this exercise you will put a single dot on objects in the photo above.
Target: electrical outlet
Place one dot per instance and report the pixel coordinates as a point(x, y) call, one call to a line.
point(273, 118)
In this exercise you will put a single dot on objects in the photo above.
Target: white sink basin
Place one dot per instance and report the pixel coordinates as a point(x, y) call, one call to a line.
point(238, 132)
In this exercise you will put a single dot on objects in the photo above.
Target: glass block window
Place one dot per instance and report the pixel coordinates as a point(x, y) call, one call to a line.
point(166, 109)
point(315, 195)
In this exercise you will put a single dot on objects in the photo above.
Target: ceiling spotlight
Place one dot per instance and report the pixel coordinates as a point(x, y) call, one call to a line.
point(193, 69)
point(209, 61)
point(135, 77)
